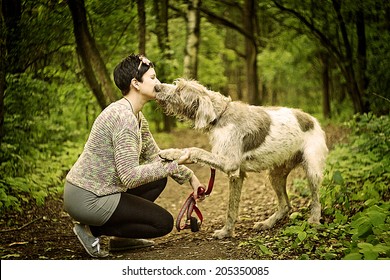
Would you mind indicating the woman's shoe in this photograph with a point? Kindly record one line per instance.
(121, 244)
(90, 243)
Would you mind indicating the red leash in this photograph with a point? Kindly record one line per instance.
(190, 205)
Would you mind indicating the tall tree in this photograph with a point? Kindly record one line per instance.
(95, 70)
(245, 25)
(10, 33)
(12, 13)
(361, 49)
(249, 18)
(161, 10)
(141, 27)
(326, 110)
(193, 38)
(3, 57)
(338, 40)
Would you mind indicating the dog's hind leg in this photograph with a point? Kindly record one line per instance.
(278, 179)
(314, 169)
(314, 157)
(315, 215)
(235, 187)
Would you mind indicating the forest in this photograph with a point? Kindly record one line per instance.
(330, 58)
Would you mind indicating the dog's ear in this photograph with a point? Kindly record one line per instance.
(205, 113)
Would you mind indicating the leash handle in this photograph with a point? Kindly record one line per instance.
(202, 191)
(190, 205)
(211, 181)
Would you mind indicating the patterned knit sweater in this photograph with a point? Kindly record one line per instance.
(121, 154)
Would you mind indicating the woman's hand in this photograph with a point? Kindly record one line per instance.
(194, 181)
(195, 184)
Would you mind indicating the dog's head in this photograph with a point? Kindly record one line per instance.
(190, 100)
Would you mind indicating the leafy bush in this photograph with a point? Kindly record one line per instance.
(360, 170)
(354, 196)
(40, 141)
(370, 231)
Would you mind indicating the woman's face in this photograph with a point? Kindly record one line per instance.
(149, 81)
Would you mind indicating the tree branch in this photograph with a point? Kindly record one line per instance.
(315, 31)
(21, 227)
(213, 17)
(344, 34)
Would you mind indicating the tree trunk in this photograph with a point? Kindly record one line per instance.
(95, 70)
(361, 50)
(141, 27)
(192, 41)
(161, 10)
(386, 25)
(326, 111)
(352, 83)
(354, 92)
(12, 13)
(249, 16)
(3, 57)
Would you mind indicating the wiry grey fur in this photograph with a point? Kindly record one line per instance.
(248, 138)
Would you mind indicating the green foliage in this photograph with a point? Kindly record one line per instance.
(39, 180)
(359, 171)
(355, 203)
(212, 56)
(370, 231)
(288, 72)
(43, 125)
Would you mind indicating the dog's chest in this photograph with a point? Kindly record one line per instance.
(222, 138)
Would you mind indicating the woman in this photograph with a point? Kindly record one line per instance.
(112, 187)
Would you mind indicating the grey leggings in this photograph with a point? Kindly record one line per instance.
(136, 215)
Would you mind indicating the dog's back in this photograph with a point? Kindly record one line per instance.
(268, 136)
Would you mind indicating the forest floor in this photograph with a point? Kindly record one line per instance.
(46, 232)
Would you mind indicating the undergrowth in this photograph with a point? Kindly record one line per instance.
(41, 139)
(43, 177)
(355, 199)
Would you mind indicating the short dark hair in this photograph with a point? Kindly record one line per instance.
(127, 69)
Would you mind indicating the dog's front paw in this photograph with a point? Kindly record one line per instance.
(170, 154)
(222, 233)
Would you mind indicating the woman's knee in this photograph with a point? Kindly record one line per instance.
(165, 223)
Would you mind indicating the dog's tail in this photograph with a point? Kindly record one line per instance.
(315, 153)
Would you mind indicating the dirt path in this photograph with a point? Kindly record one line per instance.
(46, 233)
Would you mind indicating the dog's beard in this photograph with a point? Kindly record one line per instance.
(172, 104)
(173, 107)
(178, 111)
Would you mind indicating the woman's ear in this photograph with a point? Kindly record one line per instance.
(135, 83)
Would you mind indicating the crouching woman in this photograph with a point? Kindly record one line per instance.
(112, 187)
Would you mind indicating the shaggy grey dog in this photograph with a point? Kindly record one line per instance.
(248, 138)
